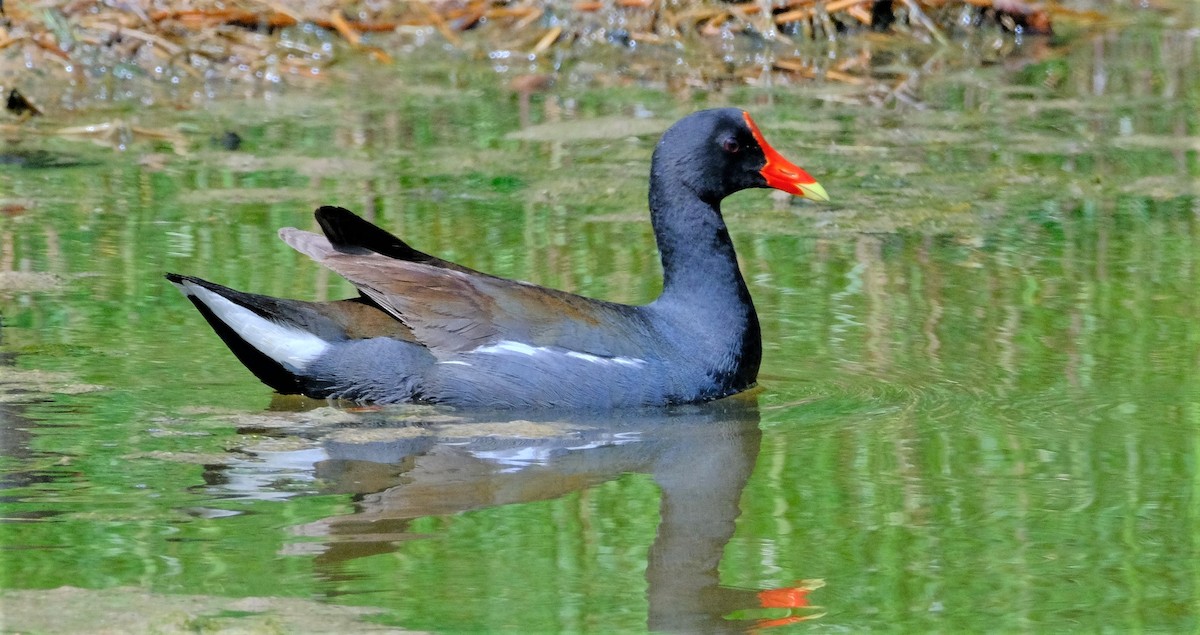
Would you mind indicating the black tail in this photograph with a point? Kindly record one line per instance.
(279, 374)
(349, 233)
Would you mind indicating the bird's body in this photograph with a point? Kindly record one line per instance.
(427, 330)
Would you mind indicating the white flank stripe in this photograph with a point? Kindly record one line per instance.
(596, 359)
(520, 348)
(509, 346)
(284, 344)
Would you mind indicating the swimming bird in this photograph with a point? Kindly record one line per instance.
(431, 331)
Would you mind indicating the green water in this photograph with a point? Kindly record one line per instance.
(979, 405)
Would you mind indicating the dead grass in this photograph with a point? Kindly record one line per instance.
(66, 55)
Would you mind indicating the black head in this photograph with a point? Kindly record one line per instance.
(715, 153)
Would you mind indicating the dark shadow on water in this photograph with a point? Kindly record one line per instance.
(700, 457)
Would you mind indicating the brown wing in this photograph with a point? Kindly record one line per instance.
(452, 311)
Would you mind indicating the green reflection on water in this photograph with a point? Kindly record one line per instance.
(982, 368)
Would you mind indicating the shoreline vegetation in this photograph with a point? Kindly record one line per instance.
(74, 55)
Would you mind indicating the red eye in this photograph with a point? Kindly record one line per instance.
(730, 145)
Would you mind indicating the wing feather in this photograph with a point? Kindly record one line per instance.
(451, 311)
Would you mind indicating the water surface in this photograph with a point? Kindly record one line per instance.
(979, 404)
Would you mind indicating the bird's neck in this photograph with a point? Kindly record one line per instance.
(703, 289)
(699, 263)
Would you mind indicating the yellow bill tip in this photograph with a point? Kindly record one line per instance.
(813, 190)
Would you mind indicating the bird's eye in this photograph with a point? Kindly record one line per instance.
(730, 145)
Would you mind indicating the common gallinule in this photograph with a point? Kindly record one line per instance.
(427, 330)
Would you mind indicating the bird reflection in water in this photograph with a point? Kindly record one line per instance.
(699, 456)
